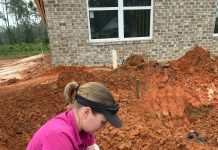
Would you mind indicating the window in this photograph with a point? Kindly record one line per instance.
(118, 20)
(216, 22)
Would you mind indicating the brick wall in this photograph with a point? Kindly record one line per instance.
(178, 25)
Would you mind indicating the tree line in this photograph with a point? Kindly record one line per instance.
(20, 23)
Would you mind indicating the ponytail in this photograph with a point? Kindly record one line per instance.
(70, 92)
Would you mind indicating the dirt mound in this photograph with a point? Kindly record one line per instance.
(184, 82)
(75, 74)
(138, 61)
(196, 60)
(59, 69)
(161, 105)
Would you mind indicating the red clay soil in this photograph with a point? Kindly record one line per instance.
(175, 106)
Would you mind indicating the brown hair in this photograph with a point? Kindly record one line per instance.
(92, 91)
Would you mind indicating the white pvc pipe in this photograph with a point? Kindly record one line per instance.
(114, 59)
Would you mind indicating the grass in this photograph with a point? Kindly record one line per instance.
(22, 50)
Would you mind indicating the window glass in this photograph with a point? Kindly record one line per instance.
(104, 24)
(137, 2)
(136, 23)
(216, 23)
(120, 19)
(103, 3)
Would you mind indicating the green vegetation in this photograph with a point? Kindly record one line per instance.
(20, 23)
(22, 34)
(22, 50)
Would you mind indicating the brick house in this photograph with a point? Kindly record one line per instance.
(85, 32)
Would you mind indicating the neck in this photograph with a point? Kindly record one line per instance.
(77, 119)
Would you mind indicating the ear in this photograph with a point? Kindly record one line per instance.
(86, 111)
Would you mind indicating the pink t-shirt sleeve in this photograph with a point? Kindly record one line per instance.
(57, 141)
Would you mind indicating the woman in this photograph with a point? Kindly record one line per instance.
(91, 105)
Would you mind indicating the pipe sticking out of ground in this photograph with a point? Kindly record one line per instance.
(114, 59)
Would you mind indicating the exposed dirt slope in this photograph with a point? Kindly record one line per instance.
(174, 108)
(13, 70)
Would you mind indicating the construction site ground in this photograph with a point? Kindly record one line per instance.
(163, 105)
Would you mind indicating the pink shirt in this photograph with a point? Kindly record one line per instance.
(60, 133)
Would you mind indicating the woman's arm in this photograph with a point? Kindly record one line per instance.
(92, 147)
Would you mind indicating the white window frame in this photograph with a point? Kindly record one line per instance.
(216, 34)
(120, 10)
